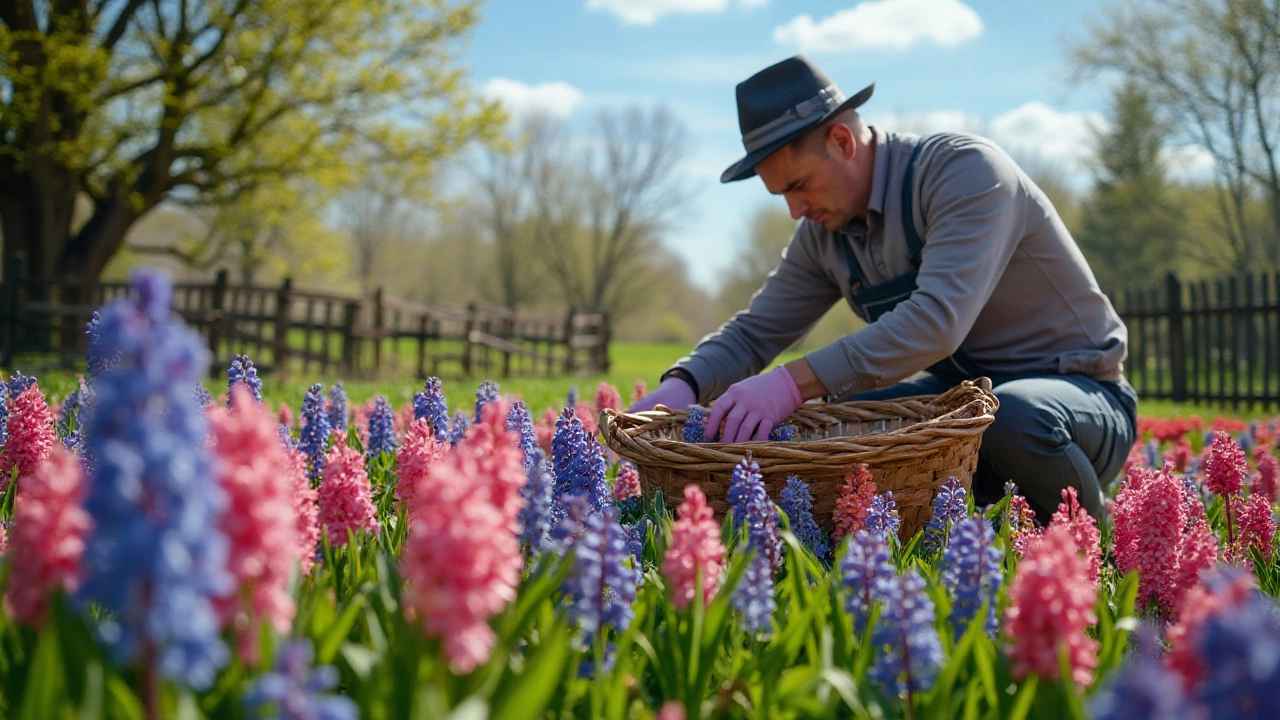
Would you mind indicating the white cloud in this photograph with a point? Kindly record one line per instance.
(557, 99)
(1035, 132)
(646, 12)
(1189, 163)
(883, 25)
(929, 122)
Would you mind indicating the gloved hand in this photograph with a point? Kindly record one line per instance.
(672, 392)
(749, 409)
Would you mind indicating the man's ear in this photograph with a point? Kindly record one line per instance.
(842, 141)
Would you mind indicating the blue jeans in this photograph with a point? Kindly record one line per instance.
(1051, 432)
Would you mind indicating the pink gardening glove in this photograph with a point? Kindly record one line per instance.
(672, 392)
(749, 409)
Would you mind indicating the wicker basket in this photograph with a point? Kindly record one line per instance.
(912, 445)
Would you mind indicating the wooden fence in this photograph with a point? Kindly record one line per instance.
(1214, 341)
(293, 332)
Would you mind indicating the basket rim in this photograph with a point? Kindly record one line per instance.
(968, 409)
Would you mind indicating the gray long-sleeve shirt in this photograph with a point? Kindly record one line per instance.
(999, 276)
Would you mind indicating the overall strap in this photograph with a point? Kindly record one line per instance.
(915, 244)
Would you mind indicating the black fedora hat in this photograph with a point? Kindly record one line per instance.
(779, 103)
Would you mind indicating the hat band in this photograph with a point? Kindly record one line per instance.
(795, 118)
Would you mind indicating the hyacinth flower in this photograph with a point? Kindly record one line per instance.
(4, 414)
(346, 502)
(1051, 606)
(48, 540)
(430, 404)
(695, 554)
(637, 534)
(71, 411)
(1142, 689)
(1256, 526)
(797, 503)
(96, 356)
(315, 430)
(338, 409)
(1265, 481)
(18, 383)
(601, 585)
(607, 397)
(31, 434)
(626, 485)
(535, 514)
(577, 463)
(571, 400)
(855, 498)
(521, 421)
(972, 573)
(785, 432)
(259, 521)
(753, 598)
(1227, 467)
(752, 508)
(201, 396)
(294, 690)
(419, 452)
(865, 570)
(485, 394)
(458, 428)
(382, 432)
(240, 371)
(639, 391)
(154, 569)
(695, 425)
(1083, 528)
(882, 517)
(1221, 591)
(908, 649)
(461, 560)
(949, 507)
(306, 509)
(1021, 521)
(1240, 649)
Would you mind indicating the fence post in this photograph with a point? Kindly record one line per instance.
(1177, 344)
(218, 319)
(280, 344)
(606, 336)
(569, 332)
(350, 310)
(378, 320)
(467, 345)
(11, 299)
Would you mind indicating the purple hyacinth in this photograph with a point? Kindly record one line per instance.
(382, 431)
(338, 409)
(71, 413)
(96, 359)
(695, 426)
(786, 432)
(907, 646)
(1152, 452)
(201, 396)
(882, 516)
(430, 404)
(797, 503)
(972, 572)
(156, 558)
(242, 370)
(485, 394)
(315, 429)
(286, 436)
(1240, 649)
(637, 532)
(4, 414)
(948, 508)
(577, 462)
(18, 382)
(601, 587)
(570, 524)
(571, 401)
(753, 598)
(539, 494)
(519, 420)
(1142, 689)
(866, 569)
(458, 429)
(294, 690)
(751, 505)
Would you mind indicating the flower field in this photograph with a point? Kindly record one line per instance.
(168, 554)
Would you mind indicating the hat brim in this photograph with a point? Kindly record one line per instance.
(746, 167)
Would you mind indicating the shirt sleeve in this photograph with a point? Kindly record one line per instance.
(974, 205)
(794, 297)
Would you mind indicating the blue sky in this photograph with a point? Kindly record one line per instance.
(997, 68)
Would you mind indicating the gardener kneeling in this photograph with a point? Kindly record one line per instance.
(959, 264)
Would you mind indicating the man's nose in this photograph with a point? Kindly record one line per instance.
(797, 207)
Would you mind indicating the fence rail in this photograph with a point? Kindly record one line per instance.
(1213, 341)
(288, 331)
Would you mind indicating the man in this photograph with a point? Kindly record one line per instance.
(959, 264)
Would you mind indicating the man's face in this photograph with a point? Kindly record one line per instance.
(814, 183)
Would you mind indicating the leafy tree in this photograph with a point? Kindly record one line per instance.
(132, 103)
(770, 230)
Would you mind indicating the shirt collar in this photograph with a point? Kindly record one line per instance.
(880, 173)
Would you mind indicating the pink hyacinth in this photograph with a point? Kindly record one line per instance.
(49, 530)
(306, 510)
(1022, 525)
(695, 550)
(850, 513)
(544, 429)
(461, 560)
(284, 415)
(414, 460)
(4, 545)
(345, 498)
(671, 710)
(627, 484)
(1257, 529)
(258, 519)
(1051, 606)
(608, 397)
(1227, 466)
(1201, 603)
(590, 422)
(31, 435)
(639, 391)
(1264, 483)
(1181, 455)
(1083, 528)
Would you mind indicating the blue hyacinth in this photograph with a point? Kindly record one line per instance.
(1152, 452)
(695, 426)
(382, 431)
(571, 401)
(882, 517)
(95, 355)
(568, 522)
(293, 690)
(752, 507)
(539, 494)
(201, 396)
(4, 414)
(797, 503)
(637, 533)
(601, 587)
(242, 370)
(338, 409)
(156, 558)
(71, 413)
(948, 508)
(430, 404)
(519, 420)
(485, 394)
(1143, 688)
(972, 572)
(578, 463)
(786, 432)
(1240, 649)
(753, 598)
(286, 436)
(866, 569)
(315, 429)
(18, 383)
(458, 429)
(907, 647)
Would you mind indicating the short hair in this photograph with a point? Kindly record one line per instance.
(814, 140)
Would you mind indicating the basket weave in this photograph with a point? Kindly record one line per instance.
(911, 445)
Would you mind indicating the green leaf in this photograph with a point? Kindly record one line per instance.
(336, 633)
(527, 696)
(44, 682)
(1026, 695)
